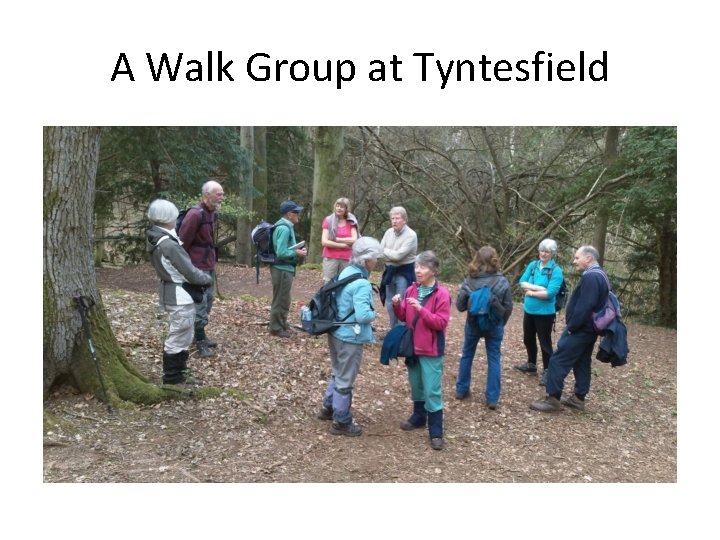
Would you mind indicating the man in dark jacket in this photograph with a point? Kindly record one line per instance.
(198, 234)
(574, 349)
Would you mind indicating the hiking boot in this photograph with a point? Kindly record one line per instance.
(436, 443)
(204, 350)
(526, 368)
(325, 413)
(189, 379)
(281, 334)
(349, 430)
(462, 395)
(574, 402)
(549, 404)
(543, 379)
(492, 406)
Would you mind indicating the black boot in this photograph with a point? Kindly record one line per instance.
(435, 427)
(202, 339)
(173, 368)
(418, 419)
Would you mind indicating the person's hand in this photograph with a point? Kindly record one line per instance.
(396, 299)
(525, 286)
(414, 303)
(301, 252)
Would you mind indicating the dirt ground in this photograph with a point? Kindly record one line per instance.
(627, 434)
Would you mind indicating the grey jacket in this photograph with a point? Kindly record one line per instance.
(173, 267)
(501, 289)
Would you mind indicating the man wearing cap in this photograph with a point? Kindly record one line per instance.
(283, 272)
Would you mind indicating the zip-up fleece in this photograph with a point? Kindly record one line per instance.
(173, 266)
(429, 330)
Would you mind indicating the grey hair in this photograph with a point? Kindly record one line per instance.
(209, 186)
(162, 212)
(398, 210)
(429, 260)
(590, 250)
(364, 248)
(548, 245)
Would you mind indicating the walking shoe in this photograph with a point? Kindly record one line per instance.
(543, 379)
(204, 350)
(210, 343)
(492, 406)
(407, 425)
(349, 430)
(325, 413)
(461, 395)
(574, 402)
(281, 334)
(526, 368)
(436, 443)
(549, 404)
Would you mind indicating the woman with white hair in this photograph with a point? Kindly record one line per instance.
(541, 283)
(180, 284)
(355, 305)
(339, 232)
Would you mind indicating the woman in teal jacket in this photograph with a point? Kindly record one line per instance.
(541, 283)
(347, 340)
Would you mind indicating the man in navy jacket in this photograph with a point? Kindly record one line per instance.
(575, 347)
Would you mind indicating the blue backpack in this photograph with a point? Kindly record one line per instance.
(485, 308)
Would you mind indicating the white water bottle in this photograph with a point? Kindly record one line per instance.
(305, 314)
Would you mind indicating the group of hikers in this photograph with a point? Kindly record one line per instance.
(418, 306)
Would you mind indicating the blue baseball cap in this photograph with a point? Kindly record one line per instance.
(290, 206)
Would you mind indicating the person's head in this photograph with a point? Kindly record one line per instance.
(398, 218)
(486, 260)
(585, 257)
(290, 210)
(342, 207)
(163, 213)
(212, 195)
(365, 252)
(547, 250)
(427, 265)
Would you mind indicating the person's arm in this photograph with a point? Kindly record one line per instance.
(348, 240)
(403, 249)
(281, 243)
(181, 262)
(363, 304)
(440, 317)
(463, 296)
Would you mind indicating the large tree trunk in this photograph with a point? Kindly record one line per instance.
(70, 157)
(326, 182)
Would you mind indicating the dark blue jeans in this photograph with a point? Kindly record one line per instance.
(574, 352)
(493, 340)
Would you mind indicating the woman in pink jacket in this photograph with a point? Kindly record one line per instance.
(426, 309)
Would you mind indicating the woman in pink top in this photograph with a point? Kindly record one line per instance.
(340, 230)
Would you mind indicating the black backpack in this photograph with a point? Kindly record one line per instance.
(183, 213)
(561, 296)
(262, 238)
(321, 314)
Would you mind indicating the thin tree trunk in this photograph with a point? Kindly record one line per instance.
(603, 213)
(243, 251)
(667, 266)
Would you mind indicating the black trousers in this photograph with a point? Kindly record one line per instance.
(540, 327)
